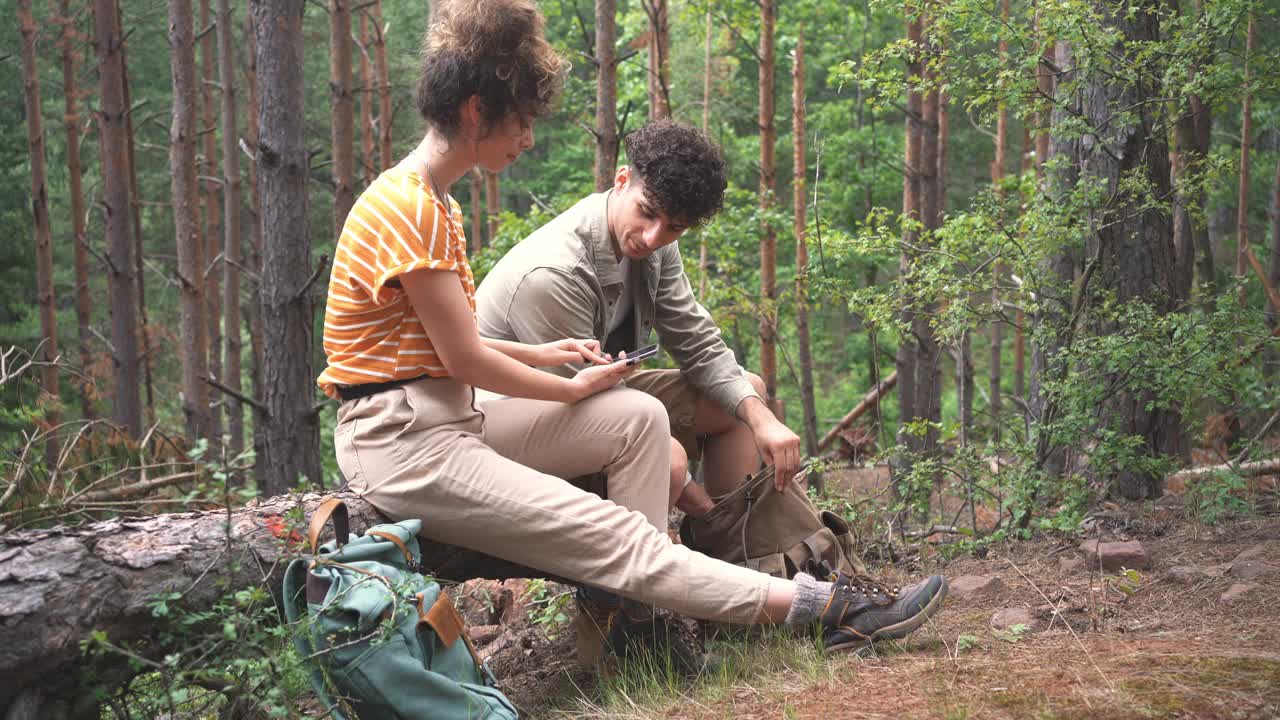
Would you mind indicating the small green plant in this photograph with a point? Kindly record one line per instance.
(966, 642)
(1127, 582)
(545, 609)
(1216, 496)
(1013, 634)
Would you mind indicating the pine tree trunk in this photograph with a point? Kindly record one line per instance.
(1274, 273)
(135, 218)
(231, 227)
(659, 52)
(343, 112)
(929, 360)
(182, 183)
(288, 428)
(706, 129)
(1020, 318)
(116, 208)
(383, 73)
(606, 94)
(71, 124)
(1202, 122)
(209, 192)
(254, 309)
(908, 356)
(995, 368)
(477, 209)
(366, 103)
(40, 220)
(799, 165)
(769, 237)
(1246, 131)
(493, 203)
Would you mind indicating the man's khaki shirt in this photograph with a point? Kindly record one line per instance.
(563, 281)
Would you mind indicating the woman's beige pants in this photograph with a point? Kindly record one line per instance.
(488, 476)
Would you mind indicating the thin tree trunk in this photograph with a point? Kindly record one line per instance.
(1274, 274)
(383, 73)
(995, 368)
(231, 227)
(706, 129)
(342, 112)
(71, 124)
(212, 233)
(40, 222)
(1246, 130)
(908, 356)
(477, 209)
(288, 428)
(769, 237)
(115, 203)
(929, 360)
(1202, 121)
(254, 310)
(135, 217)
(659, 49)
(493, 203)
(802, 255)
(1020, 318)
(182, 184)
(606, 134)
(366, 103)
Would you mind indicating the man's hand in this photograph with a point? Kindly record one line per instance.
(778, 446)
(570, 350)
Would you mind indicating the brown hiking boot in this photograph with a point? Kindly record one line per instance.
(591, 625)
(861, 610)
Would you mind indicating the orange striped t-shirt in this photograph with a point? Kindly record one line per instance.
(371, 332)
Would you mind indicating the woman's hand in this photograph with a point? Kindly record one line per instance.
(592, 380)
(569, 350)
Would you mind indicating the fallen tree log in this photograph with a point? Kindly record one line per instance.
(60, 585)
(1249, 469)
(868, 401)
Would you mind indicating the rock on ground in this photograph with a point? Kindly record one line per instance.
(1115, 555)
(967, 587)
(1236, 591)
(1006, 618)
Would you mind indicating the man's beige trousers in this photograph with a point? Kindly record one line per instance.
(488, 476)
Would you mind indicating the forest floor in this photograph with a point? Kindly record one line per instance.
(1194, 635)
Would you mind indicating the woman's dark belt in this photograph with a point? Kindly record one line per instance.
(355, 392)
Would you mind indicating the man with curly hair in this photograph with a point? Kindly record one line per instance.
(609, 268)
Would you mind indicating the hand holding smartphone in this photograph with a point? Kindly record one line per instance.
(640, 354)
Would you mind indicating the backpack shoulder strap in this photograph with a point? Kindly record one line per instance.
(330, 508)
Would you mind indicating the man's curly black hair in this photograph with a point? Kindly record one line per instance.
(682, 171)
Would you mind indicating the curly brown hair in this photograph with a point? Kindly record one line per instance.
(682, 170)
(491, 48)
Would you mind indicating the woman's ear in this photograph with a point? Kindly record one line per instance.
(472, 115)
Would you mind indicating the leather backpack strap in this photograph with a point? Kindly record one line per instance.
(330, 508)
(404, 549)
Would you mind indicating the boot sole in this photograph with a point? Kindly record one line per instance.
(897, 631)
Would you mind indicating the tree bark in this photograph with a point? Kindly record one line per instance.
(1274, 274)
(659, 51)
(799, 166)
(289, 428)
(706, 129)
(476, 178)
(254, 310)
(1246, 130)
(182, 184)
(71, 124)
(209, 191)
(606, 134)
(366, 103)
(928, 390)
(342, 118)
(908, 357)
(1202, 122)
(383, 72)
(40, 216)
(493, 203)
(116, 207)
(231, 228)
(998, 164)
(135, 217)
(769, 236)
(58, 586)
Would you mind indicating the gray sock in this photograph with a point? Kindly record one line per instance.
(810, 600)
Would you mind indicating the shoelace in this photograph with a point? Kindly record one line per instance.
(871, 588)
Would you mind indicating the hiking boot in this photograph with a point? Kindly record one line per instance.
(647, 635)
(595, 613)
(861, 610)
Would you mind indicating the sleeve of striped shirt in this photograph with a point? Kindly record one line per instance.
(413, 234)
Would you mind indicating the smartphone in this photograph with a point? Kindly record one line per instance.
(643, 353)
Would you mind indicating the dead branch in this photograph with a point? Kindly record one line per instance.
(871, 399)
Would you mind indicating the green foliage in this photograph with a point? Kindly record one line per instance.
(1216, 496)
(545, 609)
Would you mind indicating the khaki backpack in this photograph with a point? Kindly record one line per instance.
(779, 533)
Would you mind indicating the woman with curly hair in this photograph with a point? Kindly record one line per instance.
(404, 357)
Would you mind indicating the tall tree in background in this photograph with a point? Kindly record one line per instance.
(342, 117)
(254, 309)
(1246, 130)
(209, 192)
(287, 426)
(908, 355)
(231, 228)
(368, 162)
(1130, 240)
(659, 58)
(998, 164)
(115, 207)
(928, 390)
(1274, 275)
(769, 234)
(1202, 124)
(493, 203)
(802, 251)
(383, 73)
(135, 218)
(606, 130)
(67, 41)
(40, 215)
(476, 181)
(182, 183)
(706, 129)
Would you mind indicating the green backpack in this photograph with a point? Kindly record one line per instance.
(383, 642)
